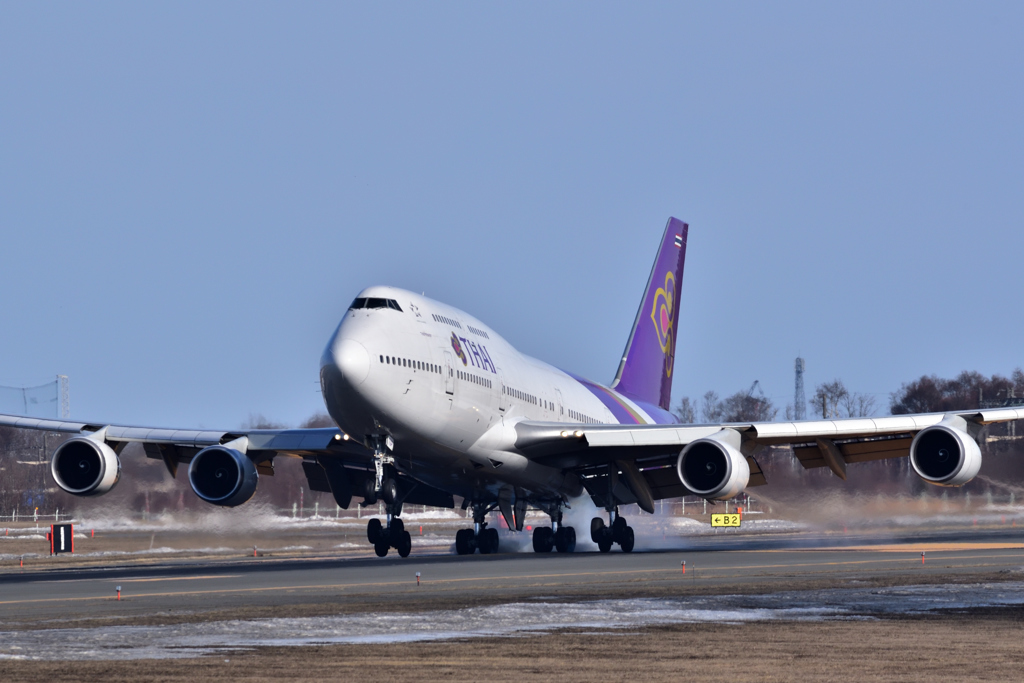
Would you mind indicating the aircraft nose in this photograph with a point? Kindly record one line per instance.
(352, 359)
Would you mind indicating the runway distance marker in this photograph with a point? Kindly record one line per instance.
(720, 519)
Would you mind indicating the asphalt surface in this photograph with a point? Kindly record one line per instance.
(278, 584)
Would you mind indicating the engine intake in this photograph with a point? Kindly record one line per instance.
(945, 455)
(713, 467)
(222, 476)
(85, 466)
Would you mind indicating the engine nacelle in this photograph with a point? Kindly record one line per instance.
(945, 454)
(223, 476)
(85, 467)
(713, 467)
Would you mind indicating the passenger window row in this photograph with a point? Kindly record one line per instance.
(374, 302)
(580, 417)
(470, 377)
(521, 395)
(447, 321)
(413, 364)
(477, 332)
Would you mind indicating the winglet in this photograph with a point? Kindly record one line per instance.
(645, 372)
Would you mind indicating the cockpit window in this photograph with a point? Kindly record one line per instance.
(374, 302)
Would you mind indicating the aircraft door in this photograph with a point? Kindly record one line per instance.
(502, 398)
(449, 374)
(561, 410)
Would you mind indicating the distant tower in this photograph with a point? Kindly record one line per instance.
(799, 402)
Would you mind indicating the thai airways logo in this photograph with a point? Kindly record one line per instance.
(458, 349)
(662, 314)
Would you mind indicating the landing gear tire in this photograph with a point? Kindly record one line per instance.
(404, 544)
(397, 527)
(565, 539)
(597, 530)
(389, 491)
(464, 542)
(604, 545)
(619, 528)
(543, 539)
(373, 531)
(381, 549)
(488, 541)
(626, 540)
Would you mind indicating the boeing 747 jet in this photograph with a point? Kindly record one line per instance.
(432, 405)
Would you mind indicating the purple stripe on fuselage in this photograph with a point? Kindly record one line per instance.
(620, 409)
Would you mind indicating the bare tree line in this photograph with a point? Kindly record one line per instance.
(928, 394)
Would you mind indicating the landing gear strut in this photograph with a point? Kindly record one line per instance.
(385, 487)
(563, 538)
(480, 537)
(616, 532)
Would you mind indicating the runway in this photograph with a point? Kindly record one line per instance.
(320, 585)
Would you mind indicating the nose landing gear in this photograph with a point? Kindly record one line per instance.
(617, 532)
(393, 535)
(385, 487)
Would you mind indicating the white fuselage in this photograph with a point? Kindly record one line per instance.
(448, 390)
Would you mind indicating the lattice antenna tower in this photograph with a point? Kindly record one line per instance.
(65, 397)
(799, 402)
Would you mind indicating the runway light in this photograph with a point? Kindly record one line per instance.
(417, 578)
(119, 594)
(684, 566)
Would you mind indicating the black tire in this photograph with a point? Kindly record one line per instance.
(381, 549)
(404, 544)
(389, 491)
(618, 529)
(369, 493)
(490, 540)
(374, 531)
(464, 542)
(397, 527)
(570, 540)
(596, 530)
(604, 545)
(542, 539)
(627, 540)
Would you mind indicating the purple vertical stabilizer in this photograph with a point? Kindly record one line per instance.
(645, 373)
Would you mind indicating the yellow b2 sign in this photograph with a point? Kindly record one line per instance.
(725, 520)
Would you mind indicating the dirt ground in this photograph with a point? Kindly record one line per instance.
(981, 645)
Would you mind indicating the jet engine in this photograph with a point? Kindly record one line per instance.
(945, 455)
(713, 467)
(222, 476)
(85, 466)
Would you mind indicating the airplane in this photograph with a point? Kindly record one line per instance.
(432, 404)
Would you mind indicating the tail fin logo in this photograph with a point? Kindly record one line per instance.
(662, 315)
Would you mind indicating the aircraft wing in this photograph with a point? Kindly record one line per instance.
(179, 445)
(638, 462)
(332, 462)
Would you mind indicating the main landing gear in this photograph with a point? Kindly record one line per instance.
(562, 538)
(480, 537)
(617, 532)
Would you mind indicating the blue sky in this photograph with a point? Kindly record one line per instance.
(192, 193)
